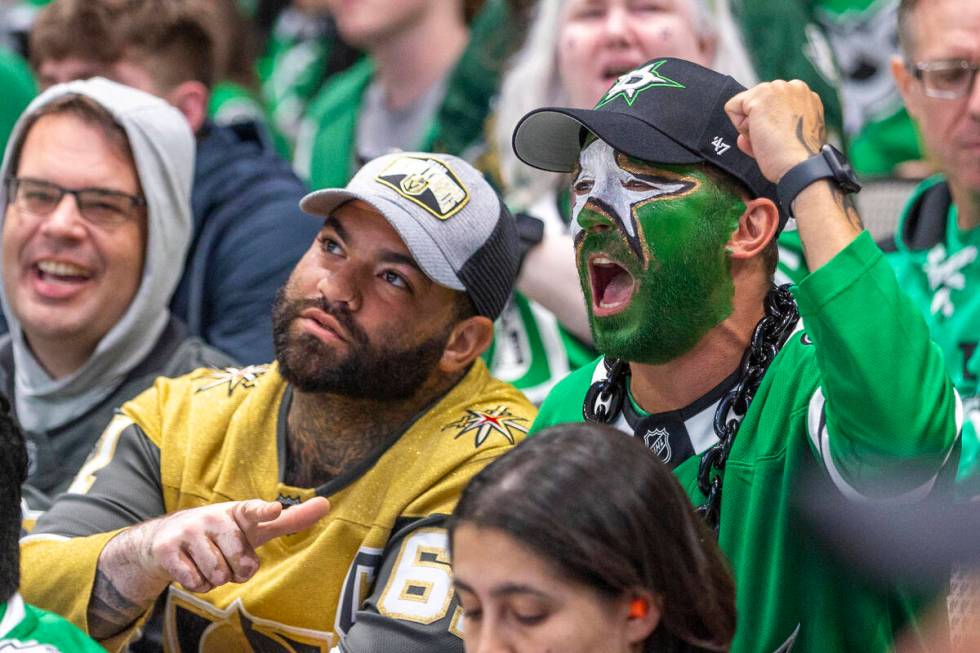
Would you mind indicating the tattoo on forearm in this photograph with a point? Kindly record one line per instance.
(813, 141)
(109, 612)
(846, 204)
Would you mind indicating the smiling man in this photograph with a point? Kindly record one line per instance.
(247, 231)
(675, 191)
(378, 402)
(97, 217)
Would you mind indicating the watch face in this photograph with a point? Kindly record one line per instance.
(844, 173)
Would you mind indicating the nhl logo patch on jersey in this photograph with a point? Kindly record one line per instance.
(658, 441)
(428, 182)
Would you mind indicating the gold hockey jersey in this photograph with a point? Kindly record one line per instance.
(375, 570)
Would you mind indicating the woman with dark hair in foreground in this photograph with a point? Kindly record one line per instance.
(580, 540)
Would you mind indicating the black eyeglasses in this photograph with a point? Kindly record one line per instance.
(948, 79)
(99, 206)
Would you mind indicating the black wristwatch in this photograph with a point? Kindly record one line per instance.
(829, 163)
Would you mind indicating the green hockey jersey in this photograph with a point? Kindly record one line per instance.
(26, 629)
(855, 396)
(937, 266)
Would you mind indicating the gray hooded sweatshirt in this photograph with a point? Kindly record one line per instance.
(163, 148)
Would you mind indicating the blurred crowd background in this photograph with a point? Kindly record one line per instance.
(288, 64)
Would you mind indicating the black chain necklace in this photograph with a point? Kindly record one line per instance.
(604, 400)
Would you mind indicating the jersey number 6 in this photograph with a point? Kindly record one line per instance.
(420, 589)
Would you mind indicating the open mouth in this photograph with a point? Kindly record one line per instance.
(61, 272)
(612, 72)
(612, 286)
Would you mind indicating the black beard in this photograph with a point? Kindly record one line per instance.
(377, 373)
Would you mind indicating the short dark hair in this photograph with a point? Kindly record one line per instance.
(464, 308)
(85, 109)
(167, 32)
(13, 473)
(606, 512)
(905, 37)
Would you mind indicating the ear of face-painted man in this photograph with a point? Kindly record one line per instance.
(651, 253)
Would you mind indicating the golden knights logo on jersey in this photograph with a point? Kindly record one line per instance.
(484, 423)
(194, 625)
(233, 378)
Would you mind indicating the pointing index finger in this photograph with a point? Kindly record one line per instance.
(292, 520)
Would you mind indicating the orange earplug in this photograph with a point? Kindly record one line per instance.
(639, 608)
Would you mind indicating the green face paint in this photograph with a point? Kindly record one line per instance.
(652, 258)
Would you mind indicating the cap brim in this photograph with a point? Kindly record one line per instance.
(550, 138)
(432, 261)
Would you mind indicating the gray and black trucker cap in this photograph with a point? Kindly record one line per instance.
(666, 111)
(453, 222)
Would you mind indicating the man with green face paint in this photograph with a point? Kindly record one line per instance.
(655, 251)
(682, 181)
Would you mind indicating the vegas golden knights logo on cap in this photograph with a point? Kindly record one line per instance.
(428, 182)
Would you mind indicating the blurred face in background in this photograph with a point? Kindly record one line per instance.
(365, 23)
(599, 40)
(946, 31)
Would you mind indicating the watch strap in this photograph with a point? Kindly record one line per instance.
(829, 163)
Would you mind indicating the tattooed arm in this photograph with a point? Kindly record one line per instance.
(112, 527)
(781, 124)
(200, 548)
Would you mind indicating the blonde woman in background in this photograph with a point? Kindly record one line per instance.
(544, 334)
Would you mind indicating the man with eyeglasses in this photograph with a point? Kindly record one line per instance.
(936, 243)
(95, 227)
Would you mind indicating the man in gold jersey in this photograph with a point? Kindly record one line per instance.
(300, 506)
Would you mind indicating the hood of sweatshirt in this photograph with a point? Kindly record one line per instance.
(163, 149)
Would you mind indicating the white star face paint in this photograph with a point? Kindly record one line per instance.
(616, 191)
(652, 255)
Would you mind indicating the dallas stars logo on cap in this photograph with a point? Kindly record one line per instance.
(631, 84)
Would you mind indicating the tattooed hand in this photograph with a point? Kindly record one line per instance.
(780, 124)
(205, 547)
(200, 548)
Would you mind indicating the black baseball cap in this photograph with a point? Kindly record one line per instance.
(665, 111)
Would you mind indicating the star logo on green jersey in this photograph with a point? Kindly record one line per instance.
(483, 423)
(631, 84)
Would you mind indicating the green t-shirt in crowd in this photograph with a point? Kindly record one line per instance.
(18, 91)
(231, 102)
(326, 147)
(26, 629)
(292, 70)
(855, 395)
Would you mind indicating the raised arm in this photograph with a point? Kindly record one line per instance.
(885, 411)
(781, 124)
